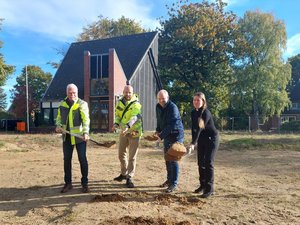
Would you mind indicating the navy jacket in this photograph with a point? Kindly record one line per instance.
(168, 120)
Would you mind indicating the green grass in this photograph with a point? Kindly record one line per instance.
(256, 141)
(244, 143)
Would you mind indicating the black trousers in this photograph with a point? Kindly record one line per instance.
(207, 149)
(68, 153)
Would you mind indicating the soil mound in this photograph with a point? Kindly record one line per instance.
(109, 198)
(127, 220)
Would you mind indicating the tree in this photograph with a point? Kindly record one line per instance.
(261, 75)
(3, 103)
(5, 71)
(196, 45)
(38, 82)
(107, 28)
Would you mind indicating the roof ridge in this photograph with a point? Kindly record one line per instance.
(117, 37)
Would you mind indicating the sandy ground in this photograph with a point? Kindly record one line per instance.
(252, 187)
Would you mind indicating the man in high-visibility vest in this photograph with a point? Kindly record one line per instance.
(128, 118)
(73, 118)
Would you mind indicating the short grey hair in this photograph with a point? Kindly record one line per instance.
(69, 86)
(164, 92)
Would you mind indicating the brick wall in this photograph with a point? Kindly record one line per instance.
(86, 79)
(117, 81)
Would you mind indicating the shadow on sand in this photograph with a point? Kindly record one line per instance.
(23, 200)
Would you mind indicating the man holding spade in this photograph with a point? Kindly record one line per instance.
(128, 119)
(73, 118)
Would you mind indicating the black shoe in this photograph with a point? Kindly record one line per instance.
(85, 189)
(171, 188)
(66, 188)
(165, 184)
(129, 183)
(120, 178)
(199, 189)
(206, 194)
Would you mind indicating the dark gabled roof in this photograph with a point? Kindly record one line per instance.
(295, 93)
(130, 50)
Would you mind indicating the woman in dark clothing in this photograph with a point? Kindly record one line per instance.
(206, 137)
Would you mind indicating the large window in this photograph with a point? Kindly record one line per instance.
(99, 75)
(99, 87)
(99, 114)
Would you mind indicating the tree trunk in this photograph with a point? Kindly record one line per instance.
(255, 114)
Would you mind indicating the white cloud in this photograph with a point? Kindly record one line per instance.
(293, 46)
(64, 19)
(238, 6)
(235, 2)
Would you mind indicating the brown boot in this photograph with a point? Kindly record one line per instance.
(66, 188)
(85, 189)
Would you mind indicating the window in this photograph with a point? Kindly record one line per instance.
(99, 87)
(104, 67)
(94, 74)
(99, 75)
(99, 115)
(55, 111)
(285, 119)
(99, 66)
(296, 106)
(47, 116)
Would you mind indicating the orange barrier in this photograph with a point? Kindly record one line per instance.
(21, 126)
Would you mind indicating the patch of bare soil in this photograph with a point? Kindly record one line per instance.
(108, 198)
(163, 199)
(251, 187)
(146, 220)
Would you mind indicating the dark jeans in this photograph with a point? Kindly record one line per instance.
(172, 172)
(172, 166)
(68, 153)
(207, 148)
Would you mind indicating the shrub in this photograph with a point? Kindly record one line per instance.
(5, 115)
(291, 126)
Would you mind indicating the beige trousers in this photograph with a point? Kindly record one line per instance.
(128, 149)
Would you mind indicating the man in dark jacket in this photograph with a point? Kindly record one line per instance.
(170, 130)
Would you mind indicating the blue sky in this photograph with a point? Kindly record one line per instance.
(33, 30)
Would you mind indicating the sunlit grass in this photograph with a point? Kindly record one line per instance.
(260, 141)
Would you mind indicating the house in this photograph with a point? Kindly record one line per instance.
(293, 113)
(289, 114)
(100, 69)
